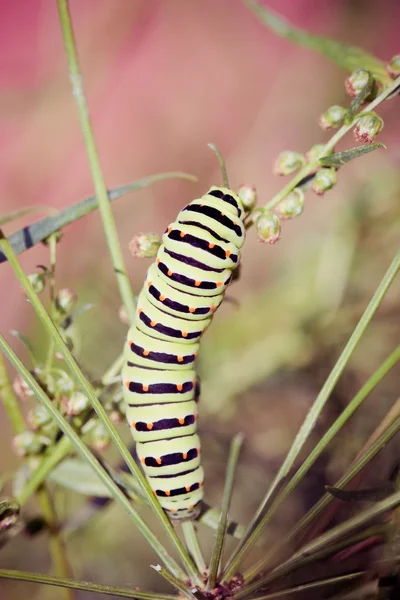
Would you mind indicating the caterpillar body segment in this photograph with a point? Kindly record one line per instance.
(183, 288)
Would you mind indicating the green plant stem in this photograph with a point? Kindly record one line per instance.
(312, 586)
(193, 546)
(113, 370)
(10, 401)
(110, 230)
(86, 586)
(177, 583)
(326, 544)
(51, 460)
(56, 544)
(310, 167)
(222, 164)
(52, 242)
(258, 522)
(223, 519)
(96, 404)
(353, 405)
(113, 488)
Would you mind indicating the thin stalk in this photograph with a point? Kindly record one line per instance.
(310, 167)
(58, 452)
(193, 546)
(57, 548)
(110, 229)
(10, 401)
(87, 388)
(52, 241)
(222, 164)
(324, 545)
(84, 451)
(353, 405)
(86, 586)
(305, 587)
(256, 526)
(321, 505)
(223, 519)
(177, 583)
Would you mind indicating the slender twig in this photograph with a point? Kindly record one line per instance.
(113, 370)
(223, 519)
(57, 548)
(84, 451)
(85, 385)
(222, 164)
(86, 586)
(257, 523)
(110, 229)
(177, 583)
(193, 546)
(305, 587)
(52, 242)
(353, 405)
(326, 149)
(10, 401)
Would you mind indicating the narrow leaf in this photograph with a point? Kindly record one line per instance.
(21, 212)
(33, 234)
(367, 494)
(78, 476)
(341, 158)
(346, 57)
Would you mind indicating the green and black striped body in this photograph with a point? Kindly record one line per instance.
(184, 287)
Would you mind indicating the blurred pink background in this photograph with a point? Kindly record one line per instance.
(164, 78)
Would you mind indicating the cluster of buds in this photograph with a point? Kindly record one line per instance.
(289, 162)
(30, 443)
(145, 245)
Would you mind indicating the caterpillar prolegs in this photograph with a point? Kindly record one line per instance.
(184, 287)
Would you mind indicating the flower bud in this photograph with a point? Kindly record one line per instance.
(393, 66)
(21, 388)
(288, 162)
(27, 443)
(291, 206)
(123, 315)
(324, 180)
(268, 226)
(38, 281)
(38, 417)
(145, 245)
(248, 196)
(356, 82)
(100, 438)
(315, 153)
(63, 383)
(65, 301)
(367, 128)
(76, 404)
(333, 117)
(115, 417)
(9, 513)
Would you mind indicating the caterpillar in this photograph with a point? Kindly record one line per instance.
(183, 289)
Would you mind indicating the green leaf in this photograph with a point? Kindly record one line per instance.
(341, 158)
(21, 212)
(37, 232)
(361, 495)
(346, 57)
(78, 476)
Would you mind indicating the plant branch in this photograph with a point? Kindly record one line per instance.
(110, 229)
